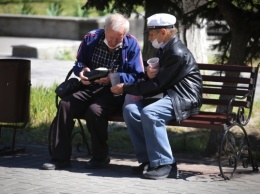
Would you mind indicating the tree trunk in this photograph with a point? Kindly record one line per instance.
(195, 38)
(197, 43)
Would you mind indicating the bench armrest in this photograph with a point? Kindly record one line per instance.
(241, 116)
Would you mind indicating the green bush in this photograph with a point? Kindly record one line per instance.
(55, 9)
(50, 8)
(26, 9)
(78, 12)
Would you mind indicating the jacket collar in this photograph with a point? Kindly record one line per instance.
(170, 42)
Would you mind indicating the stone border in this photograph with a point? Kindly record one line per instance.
(57, 27)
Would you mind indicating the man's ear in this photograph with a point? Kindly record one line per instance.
(163, 30)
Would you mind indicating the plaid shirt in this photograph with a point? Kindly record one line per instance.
(102, 57)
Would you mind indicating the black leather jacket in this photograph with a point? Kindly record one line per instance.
(178, 76)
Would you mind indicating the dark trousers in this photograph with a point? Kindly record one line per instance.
(94, 103)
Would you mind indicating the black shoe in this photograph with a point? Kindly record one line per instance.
(97, 163)
(141, 168)
(159, 172)
(56, 165)
(175, 171)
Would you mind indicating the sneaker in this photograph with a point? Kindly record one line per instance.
(159, 172)
(97, 163)
(56, 165)
(141, 168)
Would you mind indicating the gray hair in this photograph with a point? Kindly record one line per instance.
(117, 21)
(172, 31)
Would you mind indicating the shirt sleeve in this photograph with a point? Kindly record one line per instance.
(84, 51)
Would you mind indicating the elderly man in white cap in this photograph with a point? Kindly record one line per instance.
(178, 78)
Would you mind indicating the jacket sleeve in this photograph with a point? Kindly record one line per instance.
(173, 68)
(132, 62)
(84, 51)
(78, 64)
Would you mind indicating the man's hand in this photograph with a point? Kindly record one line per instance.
(152, 71)
(117, 89)
(84, 79)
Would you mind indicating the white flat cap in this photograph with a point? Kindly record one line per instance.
(160, 20)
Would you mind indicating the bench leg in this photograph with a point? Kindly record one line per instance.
(81, 132)
(84, 137)
(234, 151)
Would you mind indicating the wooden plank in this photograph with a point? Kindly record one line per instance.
(227, 91)
(221, 79)
(234, 68)
(225, 102)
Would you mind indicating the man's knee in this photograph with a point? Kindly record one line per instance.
(126, 113)
(147, 113)
(131, 111)
(94, 110)
(64, 105)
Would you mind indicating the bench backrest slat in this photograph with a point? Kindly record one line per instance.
(225, 102)
(237, 80)
(227, 79)
(225, 91)
(216, 67)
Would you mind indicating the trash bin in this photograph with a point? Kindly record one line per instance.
(15, 82)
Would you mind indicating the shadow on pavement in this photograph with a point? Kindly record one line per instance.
(120, 166)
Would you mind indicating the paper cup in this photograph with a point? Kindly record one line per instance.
(153, 62)
(114, 78)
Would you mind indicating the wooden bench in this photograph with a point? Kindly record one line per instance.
(234, 146)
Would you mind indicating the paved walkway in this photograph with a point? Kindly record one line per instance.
(21, 173)
(43, 71)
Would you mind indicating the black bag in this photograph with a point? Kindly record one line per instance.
(68, 87)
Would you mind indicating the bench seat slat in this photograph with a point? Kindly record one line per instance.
(205, 120)
(116, 117)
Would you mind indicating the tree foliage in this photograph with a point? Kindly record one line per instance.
(236, 22)
(240, 44)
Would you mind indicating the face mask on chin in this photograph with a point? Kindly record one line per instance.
(156, 44)
(118, 45)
